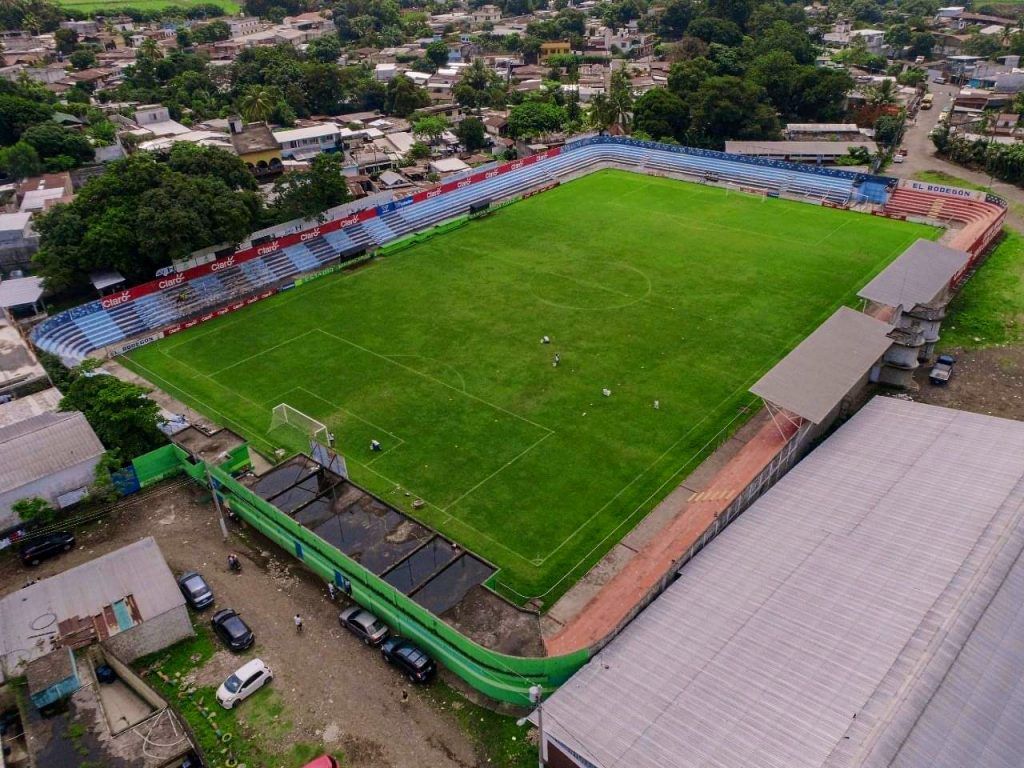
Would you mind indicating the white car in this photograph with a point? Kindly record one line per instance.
(245, 681)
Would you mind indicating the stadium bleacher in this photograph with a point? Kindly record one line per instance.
(75, 333)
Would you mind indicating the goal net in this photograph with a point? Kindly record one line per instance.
(294, 431)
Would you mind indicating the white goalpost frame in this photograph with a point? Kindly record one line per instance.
(287, 415)
(320, 438)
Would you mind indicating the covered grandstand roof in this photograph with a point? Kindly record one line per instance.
(814, 378)
(848, 618)
(917, 276)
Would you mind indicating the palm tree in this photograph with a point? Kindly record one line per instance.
(148, 49)
(882, 94)
(256, 104)
(620, 98)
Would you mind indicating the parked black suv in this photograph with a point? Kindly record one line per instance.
(414, 663)
(45, 547)
(232, 630)
(196, 591)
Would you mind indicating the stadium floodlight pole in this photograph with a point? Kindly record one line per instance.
(216, 503)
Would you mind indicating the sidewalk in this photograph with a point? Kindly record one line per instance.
(693, 514)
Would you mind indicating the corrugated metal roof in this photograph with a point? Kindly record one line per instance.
(29, 406)
(867, 611)
(42, 445)
(806, 148)
(29, 617)
(814, 378)
(917, 276)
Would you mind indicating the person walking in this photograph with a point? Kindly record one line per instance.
(298, 623)
(556, 361)
(332, 591)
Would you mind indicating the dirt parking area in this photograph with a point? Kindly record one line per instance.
(335, 691)
(989, 381)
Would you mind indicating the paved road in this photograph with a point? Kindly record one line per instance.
(921, 156)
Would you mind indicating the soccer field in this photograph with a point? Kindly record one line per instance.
(652, 288)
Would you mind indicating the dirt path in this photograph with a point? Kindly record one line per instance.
(921, 156)
(989, 381)
(336, 691)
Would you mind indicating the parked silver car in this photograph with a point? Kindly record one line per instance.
(363, 625)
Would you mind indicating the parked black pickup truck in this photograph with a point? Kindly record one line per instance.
(942, 369)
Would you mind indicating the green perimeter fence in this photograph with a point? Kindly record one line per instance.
(497, 675)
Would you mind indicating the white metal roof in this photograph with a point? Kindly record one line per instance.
(867, 611)
(917, 276)
(20, 290)
(29, 617)
(814, 378)
(28, 406)
(311, 132)
(44, 445)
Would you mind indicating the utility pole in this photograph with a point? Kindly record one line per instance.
(536, 694)
(216, 502)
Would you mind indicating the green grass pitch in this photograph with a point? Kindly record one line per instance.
(89, 6)
(652, 288)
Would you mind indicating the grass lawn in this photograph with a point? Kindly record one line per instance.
(989, 310)
(89, 6)
(256, 735)
(941, 177)
(652, 288)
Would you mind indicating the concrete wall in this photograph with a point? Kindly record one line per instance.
(49, 488)
(132, 680)
(152, 635)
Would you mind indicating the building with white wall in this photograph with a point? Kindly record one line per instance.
(52, 455)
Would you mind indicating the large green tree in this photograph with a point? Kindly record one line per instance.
(310, 193)
(18, 113)
(51, 140)
(471, 134)
(403, 97)
(728, 107)
(19, 161)
(661, 115)
(121, 415)
(533, 118)
(437, 53)
(140, 215)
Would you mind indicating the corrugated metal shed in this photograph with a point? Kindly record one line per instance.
(867, 611)
(43, 445)
(917, 276)
(814, 378)
(85, 598)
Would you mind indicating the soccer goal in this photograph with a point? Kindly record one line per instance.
(294, 430)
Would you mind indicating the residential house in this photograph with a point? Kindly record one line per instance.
(486, 14)
(554, 48)
(51, 456)
(307, 142)
(155, 119)
(256, 146)
(18, 241)
(245, 25)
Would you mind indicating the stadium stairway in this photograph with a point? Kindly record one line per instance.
(302, 257)
(338, 240)
(256, 272)
(322, 250)
(378, 230)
